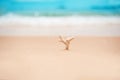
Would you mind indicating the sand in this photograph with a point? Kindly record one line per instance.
(44, 58)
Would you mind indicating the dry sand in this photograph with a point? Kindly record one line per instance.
(43, 58)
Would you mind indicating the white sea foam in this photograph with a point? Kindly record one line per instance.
(12, 24)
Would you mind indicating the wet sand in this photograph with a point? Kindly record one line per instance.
(44, 58)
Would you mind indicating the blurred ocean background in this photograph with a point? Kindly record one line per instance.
(60, 17)
(60, 7)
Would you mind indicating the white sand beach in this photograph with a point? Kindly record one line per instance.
(44, 58)
(30, 48)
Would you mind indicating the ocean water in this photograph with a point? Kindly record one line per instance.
(60, 17)
(12, 24)
(60, 7)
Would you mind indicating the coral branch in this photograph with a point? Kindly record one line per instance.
(66, 42)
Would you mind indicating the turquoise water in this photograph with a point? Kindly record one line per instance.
(60, 7)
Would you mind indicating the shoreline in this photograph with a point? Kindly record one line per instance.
(73, 25)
